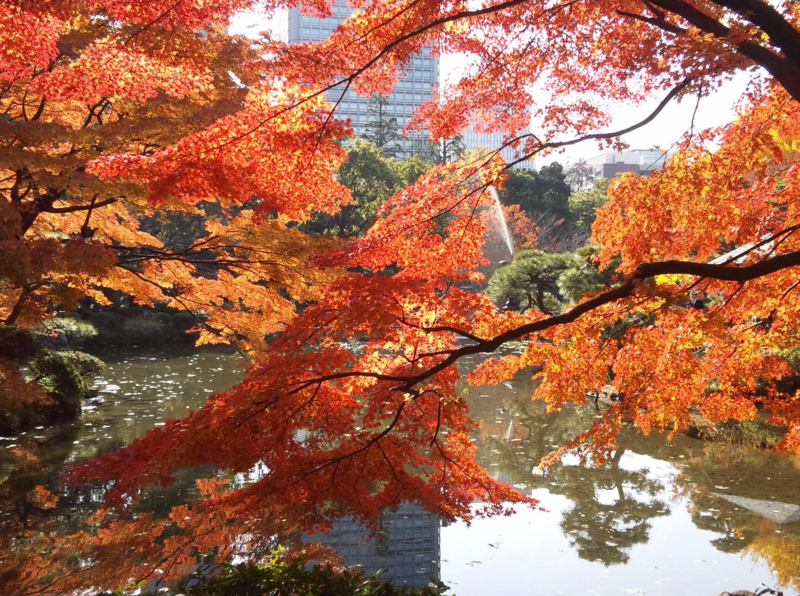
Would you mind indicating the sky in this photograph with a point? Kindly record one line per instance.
(662, 133)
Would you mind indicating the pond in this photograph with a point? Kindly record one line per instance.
(686, 517)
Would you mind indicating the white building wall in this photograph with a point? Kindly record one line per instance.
(646, 160)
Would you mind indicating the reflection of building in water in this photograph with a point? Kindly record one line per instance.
(408, 550)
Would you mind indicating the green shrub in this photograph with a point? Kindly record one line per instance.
(281, 578)
(183, 320)
(86, 364)
(73, 328)
(143, 329)
(131, 311)
(106, 320)
(18, 344)
(164, 317)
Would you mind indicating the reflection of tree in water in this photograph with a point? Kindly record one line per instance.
(712, 513)
(781, 551)
(611, 507)
(27, 466)
(715, 469)
(743, 531)
(46, 529)
(611, 510)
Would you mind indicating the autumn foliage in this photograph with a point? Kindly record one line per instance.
(113, 110)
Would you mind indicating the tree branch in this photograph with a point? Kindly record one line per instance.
(74, 208)
(770, 21)
(782, 68)
(600, 135)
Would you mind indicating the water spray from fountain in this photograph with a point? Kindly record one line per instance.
(501, 218)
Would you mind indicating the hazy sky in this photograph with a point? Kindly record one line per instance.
(663, 132)
(670, 124)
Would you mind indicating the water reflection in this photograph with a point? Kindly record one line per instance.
(656, 517)
(611, 506)
(406, 550)
(136, 392)
(628, 518)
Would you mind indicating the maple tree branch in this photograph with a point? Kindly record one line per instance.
(348, 80)
(100, 105)
(624, 290)
(335, 461)
(73, 208)
(438, 423)
(154, 21)
(436, 329)
(785, 71)
(770, 21)
(786, 232)
(17, 310)
(556, 145)
(642, 272)
(391, 467)
(657, 21)
(600, 135)
(172, 295)
(455, 330)
(727, 300)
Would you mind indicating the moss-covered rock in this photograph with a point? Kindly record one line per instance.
(62, 380)
(62, 374)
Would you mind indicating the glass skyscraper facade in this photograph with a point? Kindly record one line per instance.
(421, 77)
(481, 141)
(414, 89)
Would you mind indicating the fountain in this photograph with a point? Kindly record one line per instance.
(502, 220)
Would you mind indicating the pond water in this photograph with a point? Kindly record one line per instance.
(686, 517)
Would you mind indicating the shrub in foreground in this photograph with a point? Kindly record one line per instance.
(293, 578)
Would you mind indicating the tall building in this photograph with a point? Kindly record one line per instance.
(481, 141)
(414, 89)
(407, 552)
(422, 76)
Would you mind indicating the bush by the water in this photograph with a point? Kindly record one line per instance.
(753, 433)
(183, 320)
(124, 326)
(293, 578)
(164, 317)
(143, 330)
(106, 321)
(78, 330)
(18, 344)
